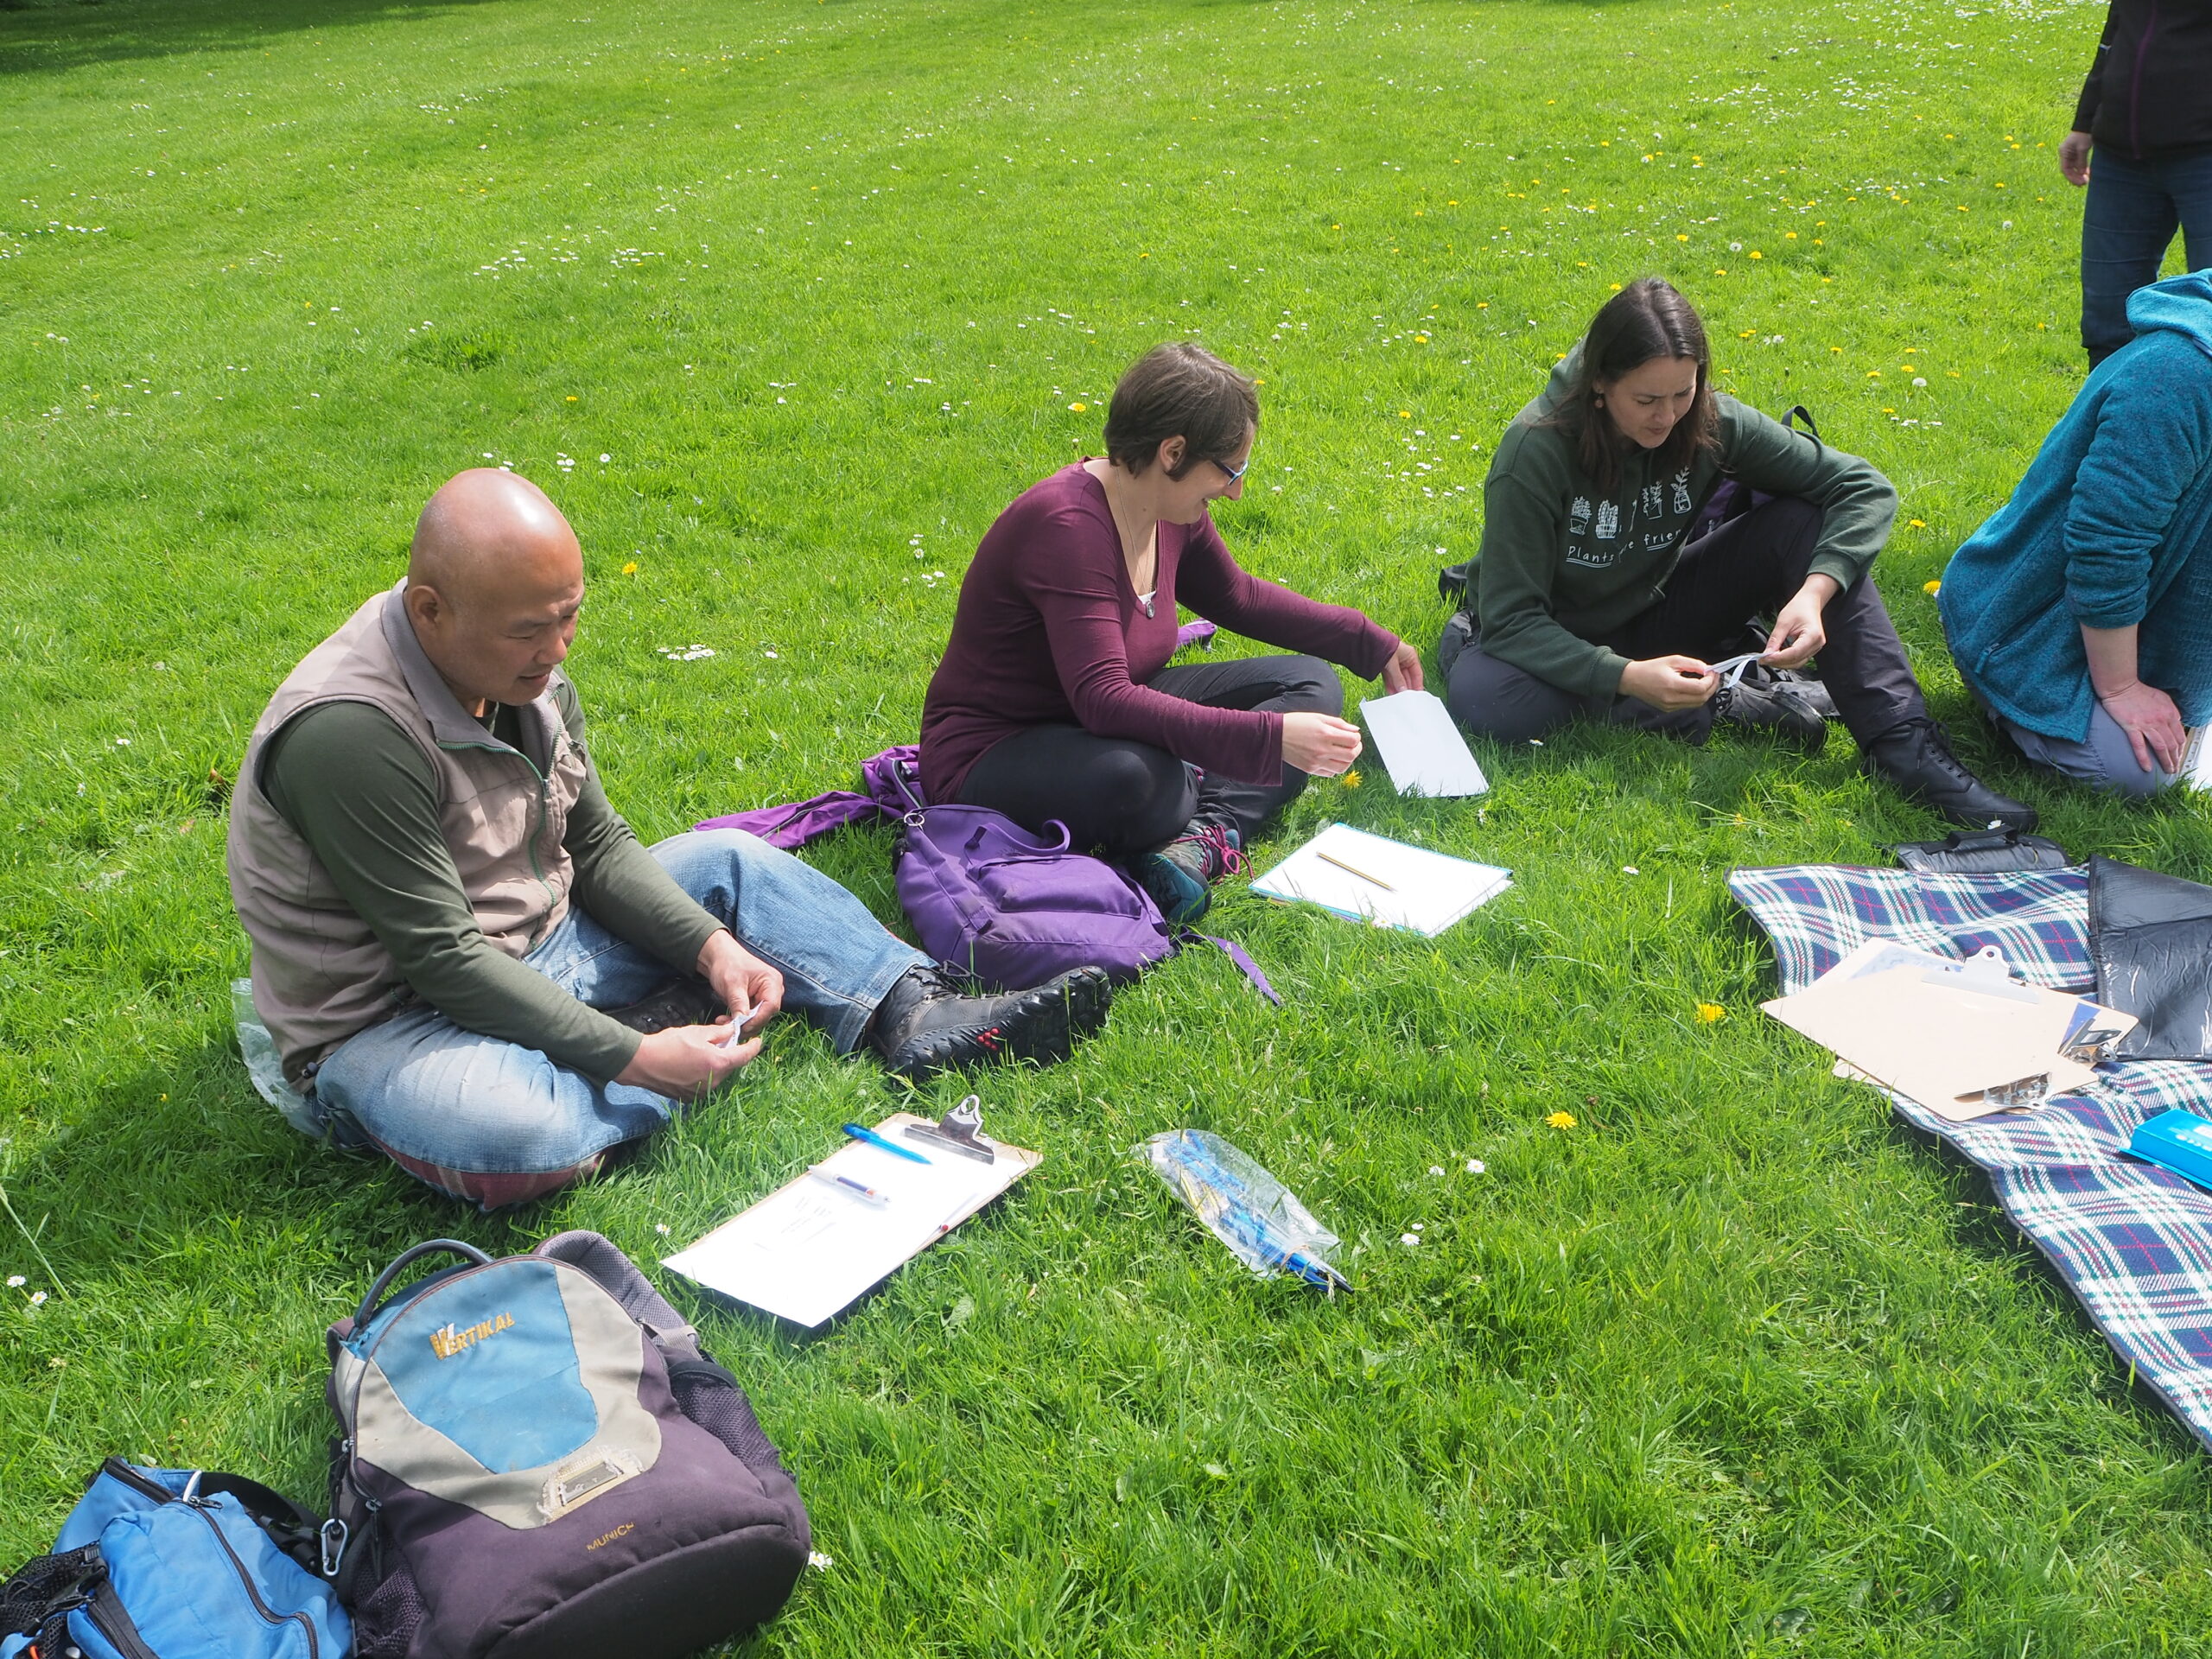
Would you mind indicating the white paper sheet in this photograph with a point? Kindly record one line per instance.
(1383, 881)
(811, 1248)
(2197, 760)
(1421, 746)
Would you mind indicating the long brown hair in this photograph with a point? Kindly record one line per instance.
(1646, 320)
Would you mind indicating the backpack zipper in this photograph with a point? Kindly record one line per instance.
(269, 1614)
(106, 1610)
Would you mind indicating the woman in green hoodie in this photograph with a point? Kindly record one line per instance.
(1589, 598)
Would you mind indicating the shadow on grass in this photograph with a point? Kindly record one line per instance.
(42, 35)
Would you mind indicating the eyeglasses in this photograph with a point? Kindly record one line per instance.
(1236, 473)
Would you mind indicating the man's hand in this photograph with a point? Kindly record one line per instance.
(1402, 671)
(2152, 724)
(2074, 158)
(749, 987)
(685, 1062)
(1669, 682)
(1798, 635)
(1321, 746)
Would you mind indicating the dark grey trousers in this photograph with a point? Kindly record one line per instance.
(1748, 568)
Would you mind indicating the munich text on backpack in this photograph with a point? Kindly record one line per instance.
(987, 898)
(538, 1463)
(176, 1564)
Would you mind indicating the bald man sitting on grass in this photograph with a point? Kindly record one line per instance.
(443, 905)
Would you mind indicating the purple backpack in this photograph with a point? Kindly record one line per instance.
(986, 897)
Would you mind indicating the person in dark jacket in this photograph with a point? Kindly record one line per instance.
(2145, 117)
(1589, 597)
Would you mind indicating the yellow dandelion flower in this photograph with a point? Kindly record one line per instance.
(572, 397)
(1078, 409)
(1679, 237)
(631, 569)
(1931, 587)
(1837, 350)
(1405, 414)
(1562, 1120)
(1789, 236)
(1710, 1014)
(1351, 780)
(1756, 254)
(1917, 523)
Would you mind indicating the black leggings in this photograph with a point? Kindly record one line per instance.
(1122, 798)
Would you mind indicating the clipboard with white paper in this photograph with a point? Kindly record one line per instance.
(1421, 747)
(812, 1248)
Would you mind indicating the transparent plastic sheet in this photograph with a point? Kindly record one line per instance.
(258, 1049)
(1258, 1218)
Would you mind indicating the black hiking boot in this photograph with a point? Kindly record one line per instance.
(1180, 875)
(926, 1023)
(687, 1001)
(1773, 707)
(1915, 759)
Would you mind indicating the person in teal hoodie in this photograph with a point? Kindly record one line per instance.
(2081, 613)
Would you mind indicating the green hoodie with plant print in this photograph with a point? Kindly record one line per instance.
(1563, 562)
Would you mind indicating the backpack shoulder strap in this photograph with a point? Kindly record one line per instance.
(600, 1260)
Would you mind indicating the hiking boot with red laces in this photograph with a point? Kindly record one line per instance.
(1180, 875)
(927, 1023)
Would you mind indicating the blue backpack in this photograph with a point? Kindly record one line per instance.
(176, 1564)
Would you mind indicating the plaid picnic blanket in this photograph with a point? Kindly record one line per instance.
(2133, 1241)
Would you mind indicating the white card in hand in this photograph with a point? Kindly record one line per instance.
(1421, 746)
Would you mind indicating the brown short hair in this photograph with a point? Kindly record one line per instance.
(1179, 391)
(1646, 320)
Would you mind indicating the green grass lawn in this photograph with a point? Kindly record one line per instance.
(783, 301)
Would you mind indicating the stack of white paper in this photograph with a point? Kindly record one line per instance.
(1374, 879)
(1421, 746)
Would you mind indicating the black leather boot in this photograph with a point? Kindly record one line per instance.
(686, 1001)
(1915, 759)
(926, 1023)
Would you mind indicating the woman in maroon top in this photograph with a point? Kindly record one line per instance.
(1055, 700)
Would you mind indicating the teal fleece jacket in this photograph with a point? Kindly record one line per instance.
(2109, 527)
(1563, 562)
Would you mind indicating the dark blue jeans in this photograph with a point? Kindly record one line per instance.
(2129, 219)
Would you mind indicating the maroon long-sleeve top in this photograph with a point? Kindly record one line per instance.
(1049, 631)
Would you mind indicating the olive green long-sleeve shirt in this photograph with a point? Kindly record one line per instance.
(1563, 562)
(364, 798)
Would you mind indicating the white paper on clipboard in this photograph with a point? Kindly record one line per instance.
(810, 1249)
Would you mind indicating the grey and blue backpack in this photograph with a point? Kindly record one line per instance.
(176, 1564)
(537, 1462)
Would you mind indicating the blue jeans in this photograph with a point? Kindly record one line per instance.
(495, 1122)
(2129, 219)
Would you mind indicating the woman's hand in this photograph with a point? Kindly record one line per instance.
(1798, 635)
(1321, 746)
(1669, 682)
(2153, 723)
(2144, 712)
(1402, 671)
(2074, 158)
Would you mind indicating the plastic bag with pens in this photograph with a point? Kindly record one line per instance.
(1258, 1218)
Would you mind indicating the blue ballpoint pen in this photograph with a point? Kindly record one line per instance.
(858, 1133)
